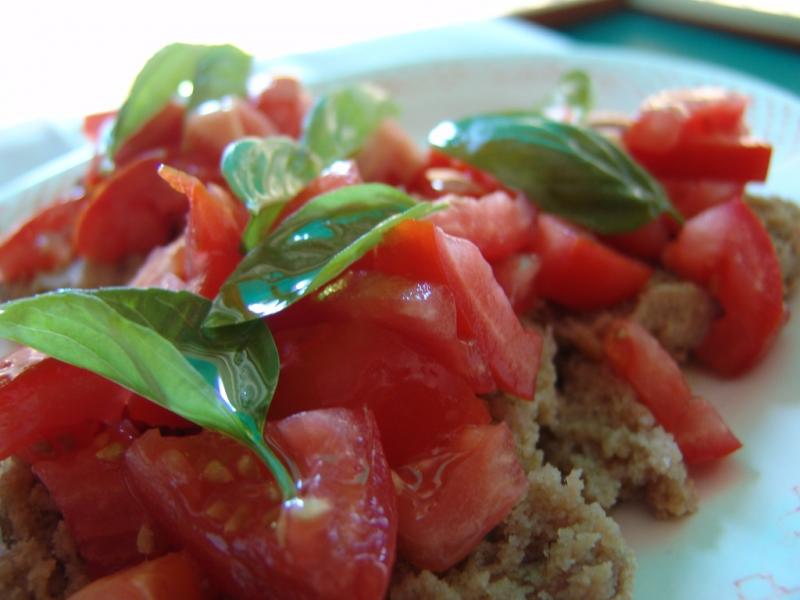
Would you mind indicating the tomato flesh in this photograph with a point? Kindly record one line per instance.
(637, 357)
(284, 103)
(103, 517)
(214, 497)
(516, 274)
(41, 396)
(414, 398)
(727, 250)
(580, 272)
(162, 131)
(451, 497)
(167, 578)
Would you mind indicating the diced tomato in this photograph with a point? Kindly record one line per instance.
(218, 123)
(697, 134)
(164, 268)
(43, 243)
(498, 224)
(647, 242)
(94, 124)
(580, 272)
(171, 577)
(422, 312)
(691, 197)
(130, 213)
(162, 132)
(41, 397)
(109, 526)
(450, 498)
(441, 174)
(637, 357)
(516, 274)
(420, 251)
(216, 499)
(141, 410)
(414, 398)
(340, 174)
(727, 250)
(213, 232)
(285, 103)
(64, 441)
(389, 155)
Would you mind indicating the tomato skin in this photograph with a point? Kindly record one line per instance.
(141, 410)
(43, 243)
(171, 577)
(646, 242)
(284, 102)
(415, 399)
(389, 155)
(450, 498)
(693, 196)
(40, 396)
(213, 232)
(727, 250)
(214, 497)
(580, 272)
(516, 274)
(162, 131)
(498, 224)
(101, 514)
(130, 213)
(420, 251)
(637, 357)
(442, 174)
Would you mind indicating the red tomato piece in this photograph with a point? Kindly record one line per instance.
(109, 526)
(691, 197)
(130, 213)
(285, 103)
(162, 131)
(498, 224)
(389, 155)
(171, 577)
(450, 498)
(647, 242)
(43, 243)
(580, 272)
(164, 268)
(727, 250)
(414, 398)
(335, 540)
(94, 124)
(41, 396)
(637, 357)
(141, 410)
(213, 233)
(340, 174)
(442, 174)
(420, 251)
(422, 312)
(218, 123)
(516, 274)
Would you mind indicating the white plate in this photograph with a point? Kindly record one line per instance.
(745, 540)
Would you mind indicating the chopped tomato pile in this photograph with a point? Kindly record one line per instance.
(381, 407)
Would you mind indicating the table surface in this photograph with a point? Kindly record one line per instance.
(771, 62)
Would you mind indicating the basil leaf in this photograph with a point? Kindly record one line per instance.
(340, 122)
(258, 226)
(267, 171)
(150, 342)
(565, 169)
(215, 71)
(571, 100)
(313, 246)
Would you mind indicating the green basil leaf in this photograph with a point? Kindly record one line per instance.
(565, 169)
(259, 225)
(151, 342)
(341, 121)
(262, 172)
(571, 100)
(313, 246)
(215, 71)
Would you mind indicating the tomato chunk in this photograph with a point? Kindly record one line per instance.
(41, 396)
(130, 213)
(43, 243)
(284, 102)
(450, 498)
(516, 274)
(167, 578)
(213, 233)
(637, 357)
(414, 398)
(109, 526)
(497, 223)
(215, 498)
(727, 250)
(162, 131)
(580, 272)
(419, 250)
